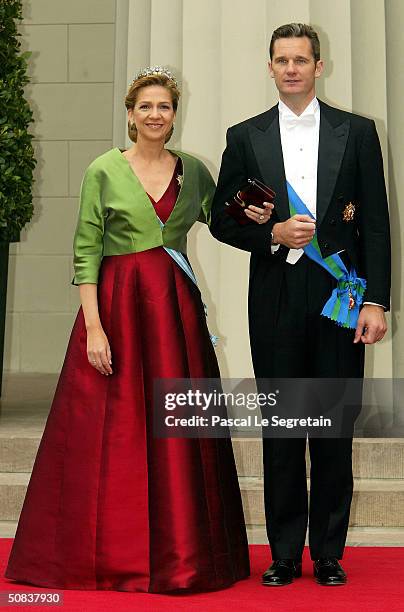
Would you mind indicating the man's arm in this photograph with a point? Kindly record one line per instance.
(374, 225)
(233, 175)
(374, 235)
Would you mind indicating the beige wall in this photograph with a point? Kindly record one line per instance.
(71, 91)
(219, 50)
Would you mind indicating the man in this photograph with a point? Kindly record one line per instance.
(332, 160)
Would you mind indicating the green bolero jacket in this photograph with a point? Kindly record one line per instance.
(117, 217)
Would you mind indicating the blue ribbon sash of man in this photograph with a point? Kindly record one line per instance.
(344, 303)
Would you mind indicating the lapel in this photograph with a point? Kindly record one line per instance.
(145, 207)
(266, 143)
(334, 131)
(188, 200)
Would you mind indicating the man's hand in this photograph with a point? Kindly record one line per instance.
(295, 233)
(371, 324)
(258, 214)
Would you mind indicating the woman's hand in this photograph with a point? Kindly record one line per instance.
(258, 214)
(98, 350)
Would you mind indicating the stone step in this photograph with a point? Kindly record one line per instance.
(376, 502)
(17, 454)
(371, 457)
(357, 536)
(21, 428)
(8, 529)
(13, 487)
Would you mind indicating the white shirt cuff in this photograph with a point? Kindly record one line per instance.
(375, 304)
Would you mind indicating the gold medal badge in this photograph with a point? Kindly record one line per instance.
(348, 212)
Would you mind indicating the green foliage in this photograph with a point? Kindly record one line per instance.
(16, 153)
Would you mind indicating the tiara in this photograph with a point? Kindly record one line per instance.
(156, 70)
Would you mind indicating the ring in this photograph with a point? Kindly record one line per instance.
(261, 217)
(93, 362)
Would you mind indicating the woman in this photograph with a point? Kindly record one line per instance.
(109, 506)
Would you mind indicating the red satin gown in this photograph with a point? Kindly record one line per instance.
(108, 505)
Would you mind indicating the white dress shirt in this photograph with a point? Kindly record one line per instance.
(299, 139)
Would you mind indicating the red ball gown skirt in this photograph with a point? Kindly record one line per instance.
(109, 506)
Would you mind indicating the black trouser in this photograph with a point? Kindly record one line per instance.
(290, 339)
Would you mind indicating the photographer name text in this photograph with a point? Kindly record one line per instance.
(247, 421)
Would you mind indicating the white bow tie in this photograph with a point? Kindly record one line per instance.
(291, 121)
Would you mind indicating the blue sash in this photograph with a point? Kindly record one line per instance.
(343, 305)
(181, 261)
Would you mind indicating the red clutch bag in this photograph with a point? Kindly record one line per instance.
(255, 193)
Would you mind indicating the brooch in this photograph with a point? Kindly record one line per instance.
(180, 179)
(348, 212)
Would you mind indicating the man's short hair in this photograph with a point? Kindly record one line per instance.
(296, 30)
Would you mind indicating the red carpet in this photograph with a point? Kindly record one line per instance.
(367, 591)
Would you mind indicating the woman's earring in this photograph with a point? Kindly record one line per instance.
(132, 131)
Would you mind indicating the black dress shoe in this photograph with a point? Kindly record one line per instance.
(328, 572)
(281, 572)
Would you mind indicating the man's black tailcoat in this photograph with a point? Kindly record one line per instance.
(350, 169)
